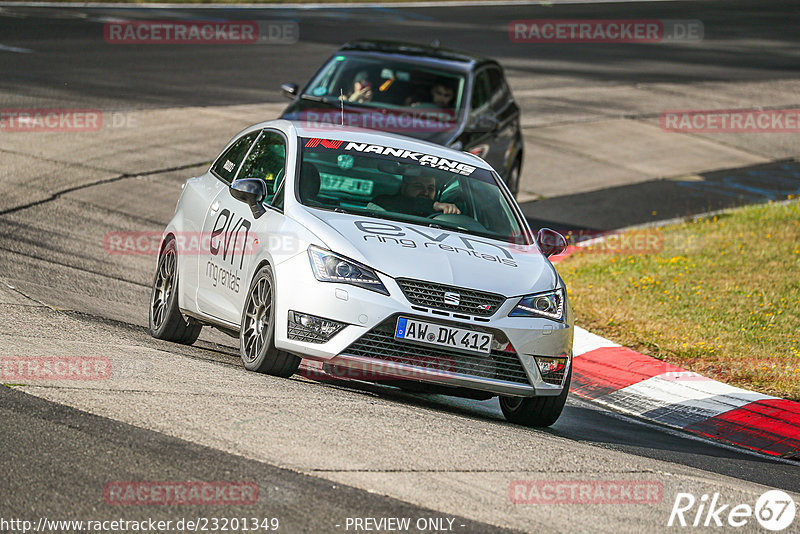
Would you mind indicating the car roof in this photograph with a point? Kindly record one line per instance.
(373, 137)
(454, 58)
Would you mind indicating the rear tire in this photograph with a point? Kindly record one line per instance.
(535, 411)
(257, 335)
(166, 321)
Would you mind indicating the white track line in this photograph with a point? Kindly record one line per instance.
(18, 50)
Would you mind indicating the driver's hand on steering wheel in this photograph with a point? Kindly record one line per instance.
(446, 208)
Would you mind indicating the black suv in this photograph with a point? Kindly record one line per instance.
(446, 97)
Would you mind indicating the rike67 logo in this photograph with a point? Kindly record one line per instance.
(774, 510)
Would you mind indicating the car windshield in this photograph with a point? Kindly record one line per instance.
(403, 185)
(388, 84)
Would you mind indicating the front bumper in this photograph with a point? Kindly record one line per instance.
(367, 342)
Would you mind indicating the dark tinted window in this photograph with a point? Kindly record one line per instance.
(480, 92)
(229, 162)
(497, 86)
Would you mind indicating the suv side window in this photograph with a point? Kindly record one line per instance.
(497, 87)
(266, 161)
(480, 91)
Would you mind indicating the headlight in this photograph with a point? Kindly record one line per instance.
(330, 267)
(549, 305)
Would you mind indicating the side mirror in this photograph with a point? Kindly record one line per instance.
(550, 242)
(251, 191)
(289, 90)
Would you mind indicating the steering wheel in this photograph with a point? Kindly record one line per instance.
(439, 213)
(463, 222)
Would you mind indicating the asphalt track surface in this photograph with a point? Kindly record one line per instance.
(73, 65)
(319, 452)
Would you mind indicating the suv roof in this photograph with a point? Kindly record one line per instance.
(416, 51)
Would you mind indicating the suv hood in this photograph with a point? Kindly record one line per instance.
(405, 250)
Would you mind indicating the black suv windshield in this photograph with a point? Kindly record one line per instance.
(389, 95)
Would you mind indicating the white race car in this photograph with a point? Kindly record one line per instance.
(369, 251)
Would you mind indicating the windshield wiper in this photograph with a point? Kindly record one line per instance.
(337, 103)
(321, 100)
(306, 96)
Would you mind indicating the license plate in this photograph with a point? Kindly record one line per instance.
(330, 182)
(443, 336)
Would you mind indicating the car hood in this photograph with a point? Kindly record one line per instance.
(404, 250)
(427, 124)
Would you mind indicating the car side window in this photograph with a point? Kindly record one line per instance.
(228, 163)
(480, 91)
(497, 87)
(266, 161)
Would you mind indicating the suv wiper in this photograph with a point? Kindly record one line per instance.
(306, 96)
(321, 100)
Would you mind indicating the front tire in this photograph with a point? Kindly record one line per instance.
(166, 320)
(535, 411)
(257, 335)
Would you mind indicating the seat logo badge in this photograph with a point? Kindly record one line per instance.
(452, 299)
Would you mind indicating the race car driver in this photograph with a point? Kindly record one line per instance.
(416, 197)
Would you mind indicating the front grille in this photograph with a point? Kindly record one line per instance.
(380, 344)
(432, 295)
